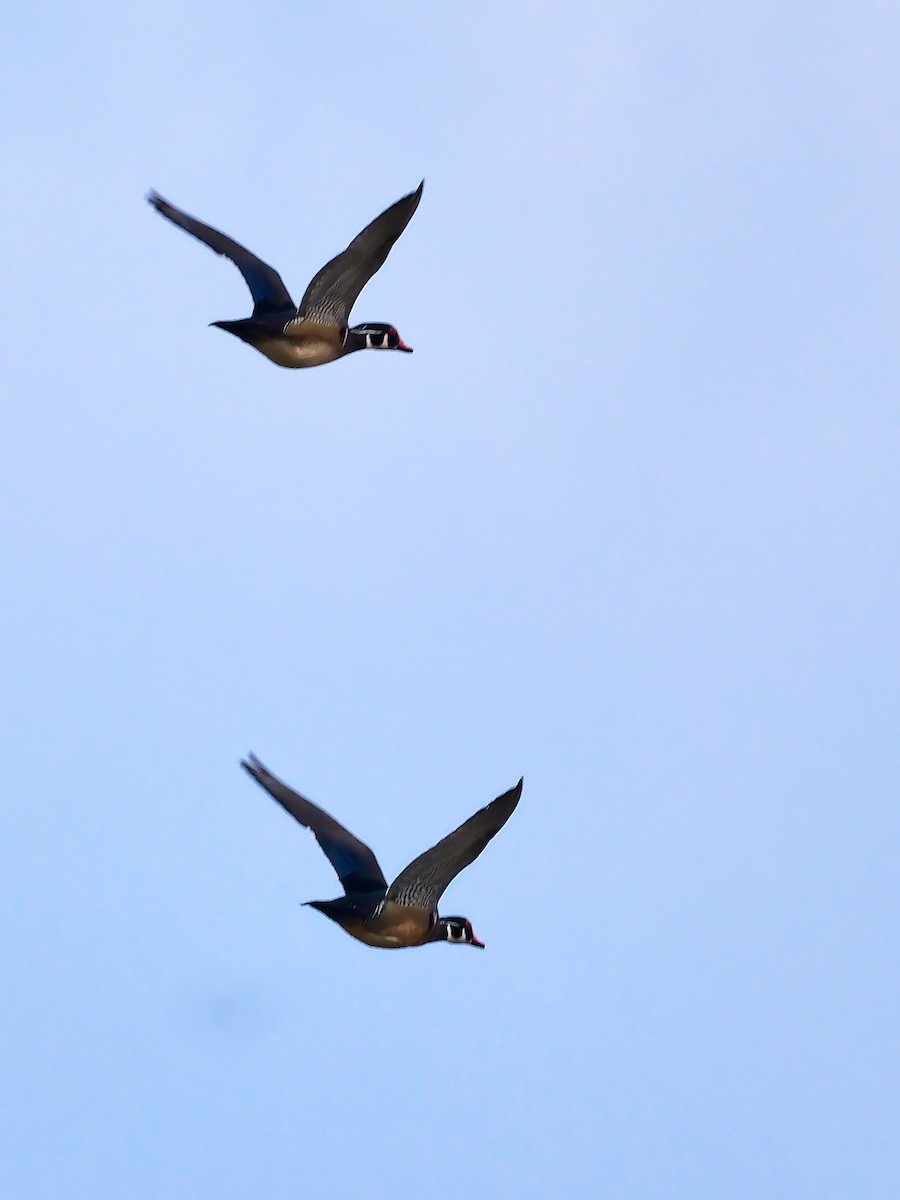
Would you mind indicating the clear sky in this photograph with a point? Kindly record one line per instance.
(625, 523)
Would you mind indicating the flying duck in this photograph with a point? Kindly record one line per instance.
(317, 332)
(404, 914)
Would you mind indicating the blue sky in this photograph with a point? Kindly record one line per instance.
(626, 523)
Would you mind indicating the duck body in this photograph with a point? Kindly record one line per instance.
(310, 345)
(294, 342)
(377, 921)
(404, 913)
(317, 331)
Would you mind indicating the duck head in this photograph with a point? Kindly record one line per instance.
(455, 929)
(377, 337)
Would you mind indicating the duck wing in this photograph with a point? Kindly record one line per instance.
(423, 882)
(355, 864)
(265, 284)
(334, 290)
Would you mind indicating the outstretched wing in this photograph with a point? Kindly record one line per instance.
(333, 291)
(265, 284)
(356, 865)
(423, 882)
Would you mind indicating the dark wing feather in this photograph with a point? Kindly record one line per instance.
(423, 882)
(333, 291)
(356, 865)
(265, 284)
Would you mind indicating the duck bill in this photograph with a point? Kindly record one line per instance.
(401, 345)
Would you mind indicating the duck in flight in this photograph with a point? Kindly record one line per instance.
(404, 913)
(318, 331)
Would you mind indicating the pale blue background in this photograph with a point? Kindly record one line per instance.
(627, 523)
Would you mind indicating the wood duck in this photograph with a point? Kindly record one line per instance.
(317, 332)
(404, 914)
